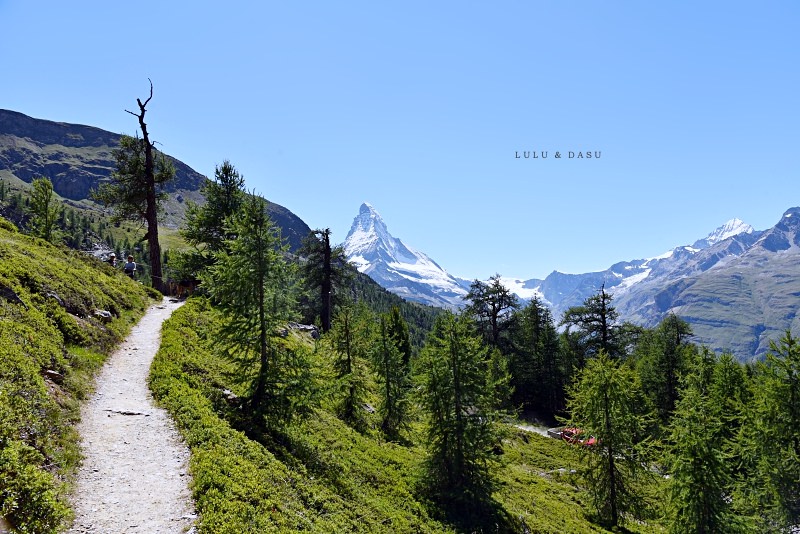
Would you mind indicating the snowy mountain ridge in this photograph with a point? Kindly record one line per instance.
(738, 288)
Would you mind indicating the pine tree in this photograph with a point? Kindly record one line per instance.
(663, 356)
(491, 305)
(596, 323)
(538, 373)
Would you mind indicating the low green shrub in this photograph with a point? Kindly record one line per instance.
(7, 225)
(50, 344)
(28, 495)
(319, 475)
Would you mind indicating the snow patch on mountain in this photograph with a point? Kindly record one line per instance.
(729, 229)
(523, 289)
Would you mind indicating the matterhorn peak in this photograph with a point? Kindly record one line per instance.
(396, 266)
(367, 232)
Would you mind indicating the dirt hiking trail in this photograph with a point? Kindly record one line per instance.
(134, 477)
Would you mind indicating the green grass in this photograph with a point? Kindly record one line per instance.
(319, 475)
(50, 345)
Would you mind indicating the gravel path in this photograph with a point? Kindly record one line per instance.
(134, 476)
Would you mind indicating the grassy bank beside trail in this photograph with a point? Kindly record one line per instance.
(52, 340)
(318, 474)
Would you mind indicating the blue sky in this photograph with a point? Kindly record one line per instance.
(419, 109)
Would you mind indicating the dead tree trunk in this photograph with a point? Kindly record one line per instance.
(151, 209)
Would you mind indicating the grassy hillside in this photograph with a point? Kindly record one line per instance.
(51, 341)
(746, 305)
(319, 475)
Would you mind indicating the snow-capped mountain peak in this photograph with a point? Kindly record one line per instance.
(370, 238)
(729, 229)
(398, 267)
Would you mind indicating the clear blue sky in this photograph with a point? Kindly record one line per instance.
(419, 108)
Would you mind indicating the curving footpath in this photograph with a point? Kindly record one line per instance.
(134, 477)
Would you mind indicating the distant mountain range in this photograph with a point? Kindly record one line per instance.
(737, 287)
(76, 158)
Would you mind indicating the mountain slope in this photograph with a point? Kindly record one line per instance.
(738, 288)
(76, 158)
(61, 312)
(396, 266)
(746, 300)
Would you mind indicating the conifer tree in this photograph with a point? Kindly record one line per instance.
(596, 323)
(663, 356)
(352, 338)
(45, 210)
(458, 396)
(251, 284)
(136, 188)
(771, 488)
(206, 225)
(491, 305)
(395, 382)
(324, 271)
(538, 373)
(397, 329)
(700, 472)
(730, 393)
(607, 403)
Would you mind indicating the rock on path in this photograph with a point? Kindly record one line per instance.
(134, 476)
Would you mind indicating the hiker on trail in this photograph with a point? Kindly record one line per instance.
(130, 267)
(112, 259)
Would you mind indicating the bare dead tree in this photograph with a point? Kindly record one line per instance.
(151, 196)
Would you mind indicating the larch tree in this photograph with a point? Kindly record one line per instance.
(352, 338)
(458, 395)
(44, 210)
(251, 284)
(136, 187)
(773, 435)
(387, 358)
(324, 270)
(397, 329)
(607, 402)
(699, 466)
(206, 226)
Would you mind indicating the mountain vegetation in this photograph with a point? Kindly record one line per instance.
(399, 417)
(61, 312)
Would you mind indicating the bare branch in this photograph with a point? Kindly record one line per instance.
(148, 98)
